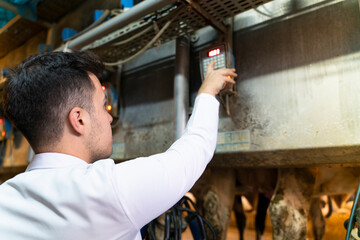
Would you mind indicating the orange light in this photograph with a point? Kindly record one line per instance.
(3, 133)
(228, 76)
(108, 107)
(103, 87)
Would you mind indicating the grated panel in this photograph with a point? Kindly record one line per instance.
(187, 22)
(222, 9)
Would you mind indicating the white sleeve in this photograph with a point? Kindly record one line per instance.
(147, 187)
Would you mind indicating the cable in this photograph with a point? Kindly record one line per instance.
(149, 44)
(116, 11)
(167, 226)
(133, 37)
(353, 210)
(173, 227)
(143, 49)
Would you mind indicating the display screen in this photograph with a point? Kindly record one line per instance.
(214, 52)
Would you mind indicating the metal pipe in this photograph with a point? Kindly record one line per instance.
(181, 84)
(133, 14)
(9, 6)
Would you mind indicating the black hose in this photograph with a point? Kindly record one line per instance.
(173, 221)
(152, 231)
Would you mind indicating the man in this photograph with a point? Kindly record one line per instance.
(55, 99)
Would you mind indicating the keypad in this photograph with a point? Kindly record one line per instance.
(220, 62)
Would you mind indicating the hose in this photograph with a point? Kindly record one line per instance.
(351, 223)
(173, 221)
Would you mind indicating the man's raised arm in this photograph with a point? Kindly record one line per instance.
(149, 186)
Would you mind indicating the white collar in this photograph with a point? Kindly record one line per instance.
(54, 160)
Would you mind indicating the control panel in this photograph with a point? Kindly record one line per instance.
(223, 57)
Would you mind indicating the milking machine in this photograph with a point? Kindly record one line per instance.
(182, 215)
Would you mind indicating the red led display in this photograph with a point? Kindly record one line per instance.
(214, 52)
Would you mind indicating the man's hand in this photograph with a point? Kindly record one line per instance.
(215, 79)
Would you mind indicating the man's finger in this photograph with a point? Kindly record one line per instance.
(210, 67)
(230, 80)
(228, 71)
(232, 74)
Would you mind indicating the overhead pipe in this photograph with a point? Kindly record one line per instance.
(123, 19)
(181, 84)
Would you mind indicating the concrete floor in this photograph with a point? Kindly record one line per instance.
(334, 226)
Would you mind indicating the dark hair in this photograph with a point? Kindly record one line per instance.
(42, 90)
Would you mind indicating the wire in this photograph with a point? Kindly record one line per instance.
(149, 44)
(116, 11)
(262, 13)
(133, 37)
(143, 49)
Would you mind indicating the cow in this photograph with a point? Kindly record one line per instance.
(217, 192)
(295, 196)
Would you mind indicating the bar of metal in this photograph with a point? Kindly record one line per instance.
(181, 84)
(9, 6)
(136, 12)
(218, 25)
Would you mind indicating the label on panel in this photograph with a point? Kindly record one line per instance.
(234, 141)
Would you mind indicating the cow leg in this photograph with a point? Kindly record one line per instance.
(240, 216)
(317, 219)
(218, 201)
(290, 204)
(261, 212)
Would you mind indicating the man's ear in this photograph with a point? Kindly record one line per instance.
(78, 119)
